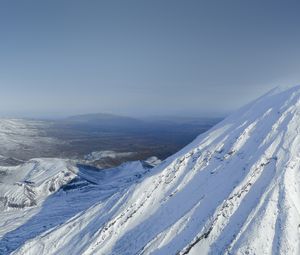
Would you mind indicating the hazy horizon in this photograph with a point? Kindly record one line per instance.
(56, 116)
(139, 58)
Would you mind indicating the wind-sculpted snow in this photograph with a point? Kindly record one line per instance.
(41, 195)
(233, 190)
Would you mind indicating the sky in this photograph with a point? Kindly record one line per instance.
(139, 58)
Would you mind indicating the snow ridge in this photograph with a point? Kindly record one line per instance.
(234, 190)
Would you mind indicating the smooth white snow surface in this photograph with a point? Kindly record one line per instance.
(234, 190)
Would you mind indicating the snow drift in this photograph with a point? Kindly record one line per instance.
(233, 190)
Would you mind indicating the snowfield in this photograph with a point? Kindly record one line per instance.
(234, 190)
(19, 136)
(44, 194)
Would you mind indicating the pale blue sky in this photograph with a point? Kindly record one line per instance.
(136, 58)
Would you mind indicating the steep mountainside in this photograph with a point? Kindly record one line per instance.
(234, 190)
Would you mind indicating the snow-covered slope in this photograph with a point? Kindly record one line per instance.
(108, 159)
(233, 190)
(43, 194)
(15, 133)
(19, 137)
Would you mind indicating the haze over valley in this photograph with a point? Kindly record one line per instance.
(154, 127)
(77, 136)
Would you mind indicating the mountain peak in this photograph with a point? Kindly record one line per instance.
(234, 190)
